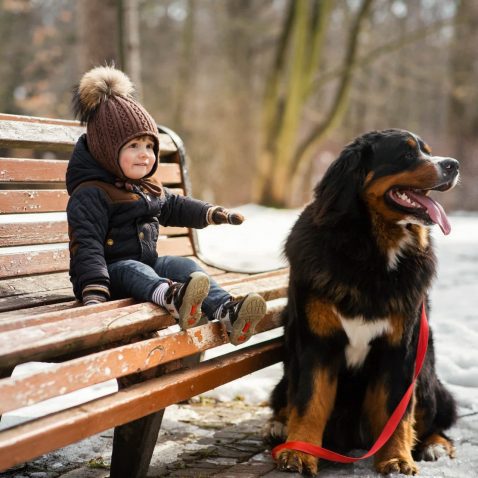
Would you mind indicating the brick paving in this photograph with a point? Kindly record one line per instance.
(200, 439)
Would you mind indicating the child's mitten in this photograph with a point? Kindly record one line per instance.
(220, 215)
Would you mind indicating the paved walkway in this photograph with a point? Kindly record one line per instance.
(223, 440)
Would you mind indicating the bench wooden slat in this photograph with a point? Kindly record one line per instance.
(270, 289)
(102, 366)
(118, 362)
(21, 170)
(28, 233)
(30, 440)
(50, 232)
(40, 261)
(57, 312)
(44, 313)
(49, 135)
(174, 246)
(33, 170)
(70, 334)
(27, 201)
(63, 332)
(53, 137)
(44, 290)
(14, 264)
(18, 201)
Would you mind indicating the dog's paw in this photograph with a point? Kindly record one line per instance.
(296, 461)
(397, 465)
(433, 448)
(274, 431)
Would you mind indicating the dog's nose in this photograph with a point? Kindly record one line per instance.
(449, 166)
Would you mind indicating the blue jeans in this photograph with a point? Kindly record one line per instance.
(130, 278)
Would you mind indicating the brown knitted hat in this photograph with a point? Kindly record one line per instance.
(103, 100)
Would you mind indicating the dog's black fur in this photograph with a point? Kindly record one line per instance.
(357, 253)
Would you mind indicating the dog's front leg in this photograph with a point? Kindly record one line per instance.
(310, 407)
(396, 455)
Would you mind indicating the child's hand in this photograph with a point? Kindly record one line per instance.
(219, 215)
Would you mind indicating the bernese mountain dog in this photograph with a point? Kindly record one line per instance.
(361, 265)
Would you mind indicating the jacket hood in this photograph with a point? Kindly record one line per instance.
(83, 167)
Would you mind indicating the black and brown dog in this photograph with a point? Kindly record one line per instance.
(362, 263)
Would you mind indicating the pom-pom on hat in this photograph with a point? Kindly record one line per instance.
(104, 101)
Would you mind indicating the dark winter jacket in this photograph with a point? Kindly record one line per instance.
(107, 224)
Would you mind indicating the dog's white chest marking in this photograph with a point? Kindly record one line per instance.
(360, 333)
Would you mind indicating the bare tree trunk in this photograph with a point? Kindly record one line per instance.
(463, 116)
(298, 56)
(186, 61)
(98, 33)
(305, 150)
(130, 41)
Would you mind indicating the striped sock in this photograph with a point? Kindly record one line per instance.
(159, 292)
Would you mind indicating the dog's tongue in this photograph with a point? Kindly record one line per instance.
(435, 210)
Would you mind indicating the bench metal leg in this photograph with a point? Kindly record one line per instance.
(133, 446)
(134, 442)
(6, 373)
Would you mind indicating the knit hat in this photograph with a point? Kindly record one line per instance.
(103, 100)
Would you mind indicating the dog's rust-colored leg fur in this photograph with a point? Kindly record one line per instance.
(310, 425)
(396, 454)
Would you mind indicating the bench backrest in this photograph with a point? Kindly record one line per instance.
(34, 155)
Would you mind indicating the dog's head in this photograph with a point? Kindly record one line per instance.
(391, 173)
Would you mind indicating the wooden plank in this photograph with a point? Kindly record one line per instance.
(272, 289)
(38, 232)
(121, 361)
(36, 135)
(268, 287)
(169, 173)
(50, 232)
(70, 335)
(34, 170)
(40, 261)
(17, 201)
(63, 332)
(57, 312)
(51, 170)
(27, 441)
(27, 201)
(37, 119)
(174, 246)
(13, 264)
(53, 135)
(102, 366)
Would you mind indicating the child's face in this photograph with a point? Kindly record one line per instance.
(136, 157)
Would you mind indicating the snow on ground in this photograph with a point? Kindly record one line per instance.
(257, 245)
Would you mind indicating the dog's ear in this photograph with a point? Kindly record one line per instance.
(338, 193)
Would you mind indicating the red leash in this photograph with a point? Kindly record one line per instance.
(390, 426)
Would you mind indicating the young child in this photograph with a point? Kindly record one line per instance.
(116, 206)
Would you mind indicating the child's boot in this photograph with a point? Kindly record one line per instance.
(241, 317)
(183, 301)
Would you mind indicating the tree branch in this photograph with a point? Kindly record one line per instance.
(339, 103)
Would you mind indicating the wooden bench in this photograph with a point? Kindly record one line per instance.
(41, 321)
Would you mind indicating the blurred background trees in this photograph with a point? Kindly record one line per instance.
(265, 93)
